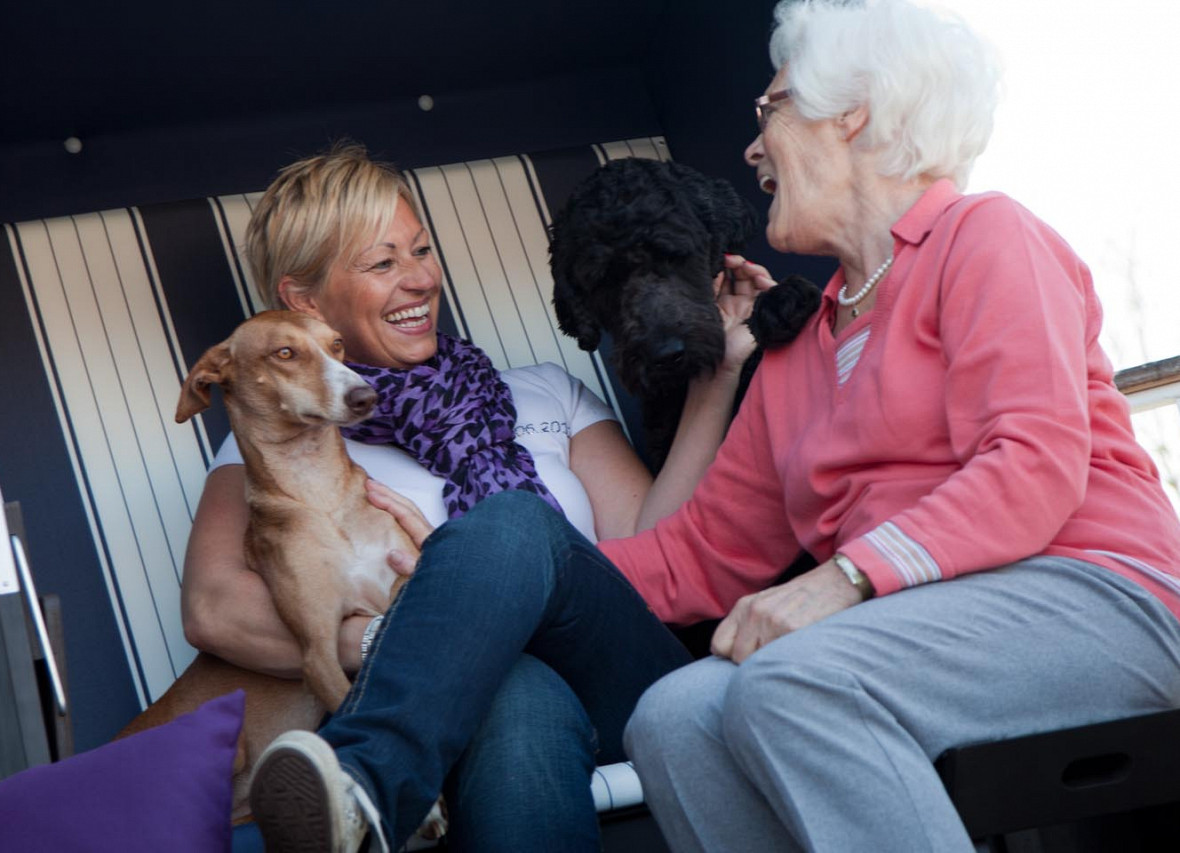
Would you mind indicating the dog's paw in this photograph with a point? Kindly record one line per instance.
(434, 826)
(780, 313)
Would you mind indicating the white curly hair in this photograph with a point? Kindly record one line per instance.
(930, 84)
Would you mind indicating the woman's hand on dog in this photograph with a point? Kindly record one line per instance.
(736, 287)
(408, 515)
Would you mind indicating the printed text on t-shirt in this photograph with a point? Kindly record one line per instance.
(542, 427)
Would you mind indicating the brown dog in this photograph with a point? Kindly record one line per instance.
(312, 534)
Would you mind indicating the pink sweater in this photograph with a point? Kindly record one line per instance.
(978, 426)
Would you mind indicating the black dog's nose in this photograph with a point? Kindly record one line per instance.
(360, 399)
(671, 350)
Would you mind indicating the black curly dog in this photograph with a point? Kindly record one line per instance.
(634, 252)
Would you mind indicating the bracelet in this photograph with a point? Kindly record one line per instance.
(855, 576)
(367, 637)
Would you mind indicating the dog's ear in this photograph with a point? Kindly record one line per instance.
(573, 315)
(780, 313)
(211, 368)
(574, 260)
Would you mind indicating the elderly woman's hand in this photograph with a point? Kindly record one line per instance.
(408, 516)
(765, 616)
(736, 287)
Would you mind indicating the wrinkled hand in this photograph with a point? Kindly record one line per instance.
(736, 288)
(408, 515)
(765, 616)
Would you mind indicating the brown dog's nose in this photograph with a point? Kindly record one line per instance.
(360, 399)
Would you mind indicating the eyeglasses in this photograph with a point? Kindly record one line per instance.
(763, 106)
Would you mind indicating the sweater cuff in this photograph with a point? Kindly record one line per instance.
(891, 559)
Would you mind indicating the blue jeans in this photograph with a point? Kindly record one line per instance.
(523, 783)
(511, 576)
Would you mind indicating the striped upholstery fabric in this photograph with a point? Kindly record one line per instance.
(101, 316)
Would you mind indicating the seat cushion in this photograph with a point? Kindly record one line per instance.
(167, 788)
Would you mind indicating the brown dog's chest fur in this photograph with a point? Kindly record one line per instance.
(302, 521)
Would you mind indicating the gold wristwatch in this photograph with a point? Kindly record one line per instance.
(855, 576)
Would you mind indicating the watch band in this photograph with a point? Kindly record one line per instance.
(367, 637)
(855, 576)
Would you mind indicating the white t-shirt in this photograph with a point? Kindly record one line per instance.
(551, 406)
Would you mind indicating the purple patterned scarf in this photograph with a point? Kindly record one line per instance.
(454, 414)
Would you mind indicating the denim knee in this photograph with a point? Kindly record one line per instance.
(505, 546)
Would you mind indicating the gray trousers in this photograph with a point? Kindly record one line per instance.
(823, 740)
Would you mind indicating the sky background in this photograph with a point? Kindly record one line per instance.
(1087, 138)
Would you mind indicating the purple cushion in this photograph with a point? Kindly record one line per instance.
(167, 788)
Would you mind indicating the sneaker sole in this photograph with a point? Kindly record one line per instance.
(290, 805)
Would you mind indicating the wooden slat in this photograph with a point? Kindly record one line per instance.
(1144, 377)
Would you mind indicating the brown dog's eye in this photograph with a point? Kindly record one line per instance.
(286, 353)
(338, 345)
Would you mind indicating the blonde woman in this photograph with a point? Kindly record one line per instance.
(338, 236)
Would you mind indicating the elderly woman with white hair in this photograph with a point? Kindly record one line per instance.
(997, 554)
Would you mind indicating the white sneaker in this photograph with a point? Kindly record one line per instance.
(304, 803)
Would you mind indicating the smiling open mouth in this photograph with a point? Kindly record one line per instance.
(409, 318)
(767, 184)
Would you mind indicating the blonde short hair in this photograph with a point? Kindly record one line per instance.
(318, 210)
(931, 84)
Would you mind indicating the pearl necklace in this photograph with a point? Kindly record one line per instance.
(850, 301)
